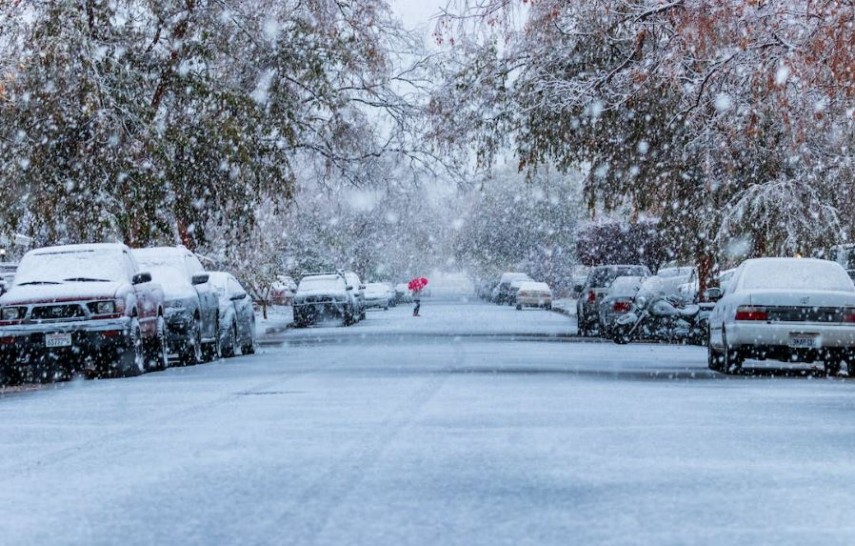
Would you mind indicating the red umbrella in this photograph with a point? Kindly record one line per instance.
(417, 284)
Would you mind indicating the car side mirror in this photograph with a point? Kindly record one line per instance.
(238, 297)
(141, 278)
(362, 287)
(713, 294)
(349, 288)
(200, 278)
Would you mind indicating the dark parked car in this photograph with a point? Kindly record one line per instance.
(81, 308)
(192, 307)
(595, 287)
(321, 297)
(237, 318)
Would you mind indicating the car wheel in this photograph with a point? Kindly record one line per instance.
(621, 333)
(833, 366)
(519, 307)
(714, 358)
(212, 350)
(249, 348)
(191, 352)
(132, 361)
(549, 307)
(230, 348)
(731, 357)
(159, 359)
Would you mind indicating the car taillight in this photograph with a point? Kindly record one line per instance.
(745, 312)
(592, 296)
(621, 306)
(849, 315)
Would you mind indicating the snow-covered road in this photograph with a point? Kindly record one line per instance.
(473, 424)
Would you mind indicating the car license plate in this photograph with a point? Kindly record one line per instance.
(805, 341)
(57, 340)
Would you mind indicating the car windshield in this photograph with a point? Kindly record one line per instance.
(71, 266)
(795, 275)
(167, 274)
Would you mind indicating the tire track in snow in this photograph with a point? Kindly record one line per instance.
(330, 490)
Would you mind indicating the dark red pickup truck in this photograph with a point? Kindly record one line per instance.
(81, 309)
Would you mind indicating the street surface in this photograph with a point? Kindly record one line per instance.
(473, 424)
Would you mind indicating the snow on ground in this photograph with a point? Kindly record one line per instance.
(342, 438)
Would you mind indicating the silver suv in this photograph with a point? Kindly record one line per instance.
(323, 296)
(595, 287)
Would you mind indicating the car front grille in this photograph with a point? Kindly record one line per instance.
(319, 299)
(57, 312)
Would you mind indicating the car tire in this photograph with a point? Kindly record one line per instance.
(833, 365)
(211, 350)
(714, 358)
(519, 307)
(191, 352)
(133, 360)
(230, 349)
(249, 348)
(620, 334)
(159, 354)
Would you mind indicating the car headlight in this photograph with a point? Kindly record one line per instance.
(640, 301)
(102, 308)
(106, 307)
(13, 313)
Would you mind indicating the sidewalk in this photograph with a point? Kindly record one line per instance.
(565, 306)
(279, 319)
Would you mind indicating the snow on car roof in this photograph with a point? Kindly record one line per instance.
(667, 272)
(534, 285)
(626, 285)
(60, 263)
(158, 254)
(320, 282)
(794, 274)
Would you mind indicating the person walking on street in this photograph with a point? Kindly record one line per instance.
(416, 286)
(417, 298)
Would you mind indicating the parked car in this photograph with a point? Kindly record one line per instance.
(595, 287)
(502, 293)
(321, 297)
(403, 293)
(237, 316)
(7, 275)
(617, 301)
(81, 308)
(514, 288)
(192, 306)
(788, 309)
(674, 277)
(357, 293)
(379, 295)
(283, 290)
(534, 294)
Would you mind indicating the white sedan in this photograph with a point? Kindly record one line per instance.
(787, 309)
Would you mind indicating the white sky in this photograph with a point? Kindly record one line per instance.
(416, 12)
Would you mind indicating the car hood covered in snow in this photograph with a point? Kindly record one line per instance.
(67, 291)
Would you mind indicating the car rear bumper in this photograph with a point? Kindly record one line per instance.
(778, 341)
(530, 301)
(836, 336)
